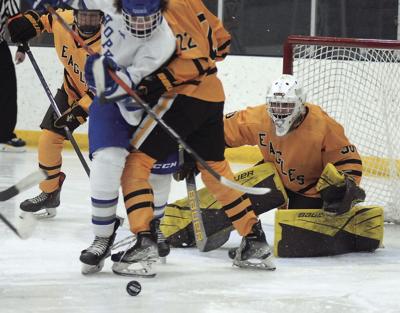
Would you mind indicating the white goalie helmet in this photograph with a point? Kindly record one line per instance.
(285, 101)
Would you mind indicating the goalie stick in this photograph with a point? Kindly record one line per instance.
(223, 180)
(26, 222)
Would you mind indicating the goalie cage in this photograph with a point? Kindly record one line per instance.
(357, 82)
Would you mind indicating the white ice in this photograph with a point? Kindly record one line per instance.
(42, 274)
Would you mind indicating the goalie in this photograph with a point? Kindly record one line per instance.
(320, 171)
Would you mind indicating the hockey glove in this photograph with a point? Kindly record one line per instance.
(72, 118)
(100, 81)
(338, 191)
(152, 87)
(23, 27)
(187, 166)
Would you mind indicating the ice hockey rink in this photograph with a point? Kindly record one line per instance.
(42, 274)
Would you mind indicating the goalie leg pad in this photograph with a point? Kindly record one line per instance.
(177, 222)
(310, 232)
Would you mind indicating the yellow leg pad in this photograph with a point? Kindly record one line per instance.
(309, 232)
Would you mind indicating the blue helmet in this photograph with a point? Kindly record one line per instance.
(142, 17)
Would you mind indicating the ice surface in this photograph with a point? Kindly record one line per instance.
(42, 274)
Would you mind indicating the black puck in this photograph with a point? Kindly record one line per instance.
(133, 288)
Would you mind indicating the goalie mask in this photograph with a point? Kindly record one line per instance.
(285, 102)
(142, 17)
(88, 22)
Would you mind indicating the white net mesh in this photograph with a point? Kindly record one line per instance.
(360, 88)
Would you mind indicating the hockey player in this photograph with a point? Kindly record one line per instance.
(73, 98)
(319, 169)
(133, 55)
(192, 104)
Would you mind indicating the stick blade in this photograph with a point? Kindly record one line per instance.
(244, 189)
(25, 183)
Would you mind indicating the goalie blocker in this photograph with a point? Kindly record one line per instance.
(298, 232)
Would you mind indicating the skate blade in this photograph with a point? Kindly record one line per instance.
(262, 264)
(45, 213)
(91, 269)
(136, 269)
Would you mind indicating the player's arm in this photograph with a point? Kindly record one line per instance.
(30, 24)
(338, 184)
(239, 128)
(222, 36)
(23, 27)
(76, 114)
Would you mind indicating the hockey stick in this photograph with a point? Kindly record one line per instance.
(55, 107)
(197, 219)
(26, 222)
(160, 121)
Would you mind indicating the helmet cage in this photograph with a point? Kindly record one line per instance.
(88, 22)
(142, 26)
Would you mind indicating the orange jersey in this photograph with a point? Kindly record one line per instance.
(72, 56)
(301, 155)
(201, 42)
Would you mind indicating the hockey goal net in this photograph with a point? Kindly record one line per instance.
(357, 82)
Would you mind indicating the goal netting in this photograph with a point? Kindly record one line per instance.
(357, 81)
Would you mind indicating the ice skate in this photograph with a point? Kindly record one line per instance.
(93, 257)
(254, 251)
(45, 204)
(137, 260)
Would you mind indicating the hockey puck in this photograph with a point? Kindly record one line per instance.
(133, 288)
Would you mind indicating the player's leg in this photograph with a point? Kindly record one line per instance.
(160, 180)
(208, 140)
(50, 147)
(201, 123)
(109, 143)
(139, 203)
(8, 101)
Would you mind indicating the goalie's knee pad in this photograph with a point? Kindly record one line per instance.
(310, 232)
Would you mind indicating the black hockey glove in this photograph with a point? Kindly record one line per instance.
(187, 166)
(23, 27)
(152, 87)
(72, 118)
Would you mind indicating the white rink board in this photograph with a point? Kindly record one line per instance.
(245, 80)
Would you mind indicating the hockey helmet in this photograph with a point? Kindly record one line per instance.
(285, 101)
(142, 17)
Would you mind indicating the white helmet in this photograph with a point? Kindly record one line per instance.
(285, 102)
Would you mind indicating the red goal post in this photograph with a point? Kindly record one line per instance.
(357, 81)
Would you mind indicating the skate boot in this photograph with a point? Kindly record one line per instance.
(93, 257)
(254, 251)
(45, 204)
(162, 242)
(137, 260)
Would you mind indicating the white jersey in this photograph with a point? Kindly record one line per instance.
(140, 57)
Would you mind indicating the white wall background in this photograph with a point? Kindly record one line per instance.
(245, 79)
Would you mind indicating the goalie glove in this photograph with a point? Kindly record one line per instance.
(338, 191)
(72, 118)
(23, 27)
